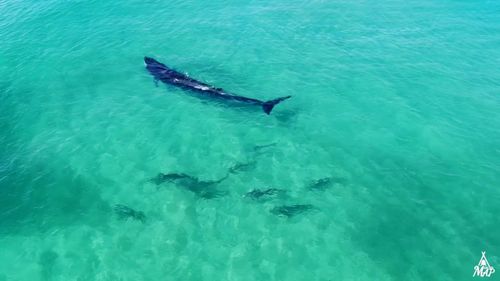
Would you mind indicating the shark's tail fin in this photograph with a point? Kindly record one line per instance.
(269, 105)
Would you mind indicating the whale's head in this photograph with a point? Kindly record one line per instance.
(156, 68)
(150, 61)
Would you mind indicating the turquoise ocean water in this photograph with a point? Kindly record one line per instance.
(397, 102)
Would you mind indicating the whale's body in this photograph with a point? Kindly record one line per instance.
(170, 76)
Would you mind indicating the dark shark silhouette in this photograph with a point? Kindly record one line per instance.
(325, 183)
(125, 212)
(290, 211)
(264, 194)
(170, 76)
(202, 188)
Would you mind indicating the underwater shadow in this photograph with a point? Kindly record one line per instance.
(40, 198)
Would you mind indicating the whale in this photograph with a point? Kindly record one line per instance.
(170, 76)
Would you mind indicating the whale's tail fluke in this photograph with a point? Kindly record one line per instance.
(269, 105)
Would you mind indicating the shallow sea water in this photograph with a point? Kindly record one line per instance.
(396, 101)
